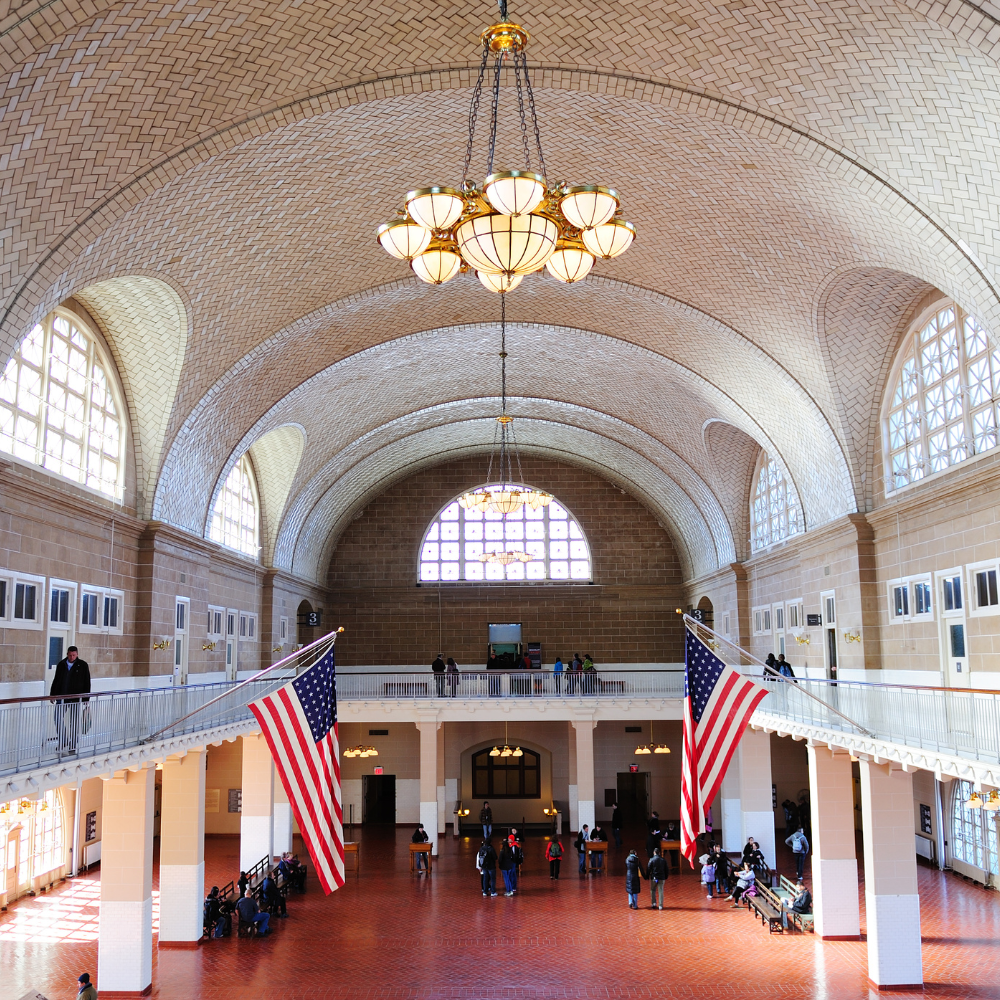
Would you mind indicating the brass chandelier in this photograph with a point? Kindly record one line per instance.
(504, 494)
(651, 747)
(516, 223)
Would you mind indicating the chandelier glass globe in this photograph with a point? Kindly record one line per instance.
(514, 192)
(513, 244)
(499, 283)
(435, 207)
(436, 266)
(570, 264)
(589, 205)
(403, 239)
(609, 240)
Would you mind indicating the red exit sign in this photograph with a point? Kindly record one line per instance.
(378, 770)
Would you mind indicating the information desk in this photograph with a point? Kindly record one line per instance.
(600, 848)
(671, 849)
(353, 847)
(416, 849)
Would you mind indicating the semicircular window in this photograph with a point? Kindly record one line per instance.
(459, 541)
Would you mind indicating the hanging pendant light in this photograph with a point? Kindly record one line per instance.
(651, 747)
(499, 283)
(514, 222)
(436, 266)
(570, 263)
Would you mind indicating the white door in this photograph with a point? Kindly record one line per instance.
(778, 620)
(62, 619)
(232, 646)
(828, 602)
(951, 623)
(181, 634)
(12, 863)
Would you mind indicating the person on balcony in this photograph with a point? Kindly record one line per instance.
(72, 677)
(438, 669)
(453, 677)
(557, 673)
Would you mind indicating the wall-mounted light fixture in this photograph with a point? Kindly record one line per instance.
(162, 645)
(854, 636)
(802, 640)
(208, 647)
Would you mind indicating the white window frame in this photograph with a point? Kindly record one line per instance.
(944, 576)
(725, 625)
(12, 580)
(71, 587)
(762, 620)
(215, 611)
(232, 623)
(909, 587)
(282, 629)
(248, 626)
(102, 595)
(972, 607)
(794, 609)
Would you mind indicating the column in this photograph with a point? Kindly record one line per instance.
(584, 772)
(729, 812)
(442, 817)
(756, 803)
(891, 900)
(258, 802)
(125, 934)
(282, 825)
(182, 849)
(428, 779)
(834, 860)
(572, 812)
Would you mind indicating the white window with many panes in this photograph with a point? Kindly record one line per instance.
(235, 515)
(457, 537)
(941, 408)
(59, 405)
(775, 512)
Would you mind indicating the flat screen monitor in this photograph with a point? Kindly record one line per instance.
(505, 633)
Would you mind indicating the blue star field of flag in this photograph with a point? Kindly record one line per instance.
(703, 671)
(317, 692)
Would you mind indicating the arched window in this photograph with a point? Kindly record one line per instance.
(506, 777)
(33, 834)
(974, 831)
(234, 518)
(774, 510)
(58, 406)
(942, 405)
(457, 537)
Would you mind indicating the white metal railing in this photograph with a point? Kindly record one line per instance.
(961, 723)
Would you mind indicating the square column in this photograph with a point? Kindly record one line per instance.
(442, 818)
(125, 935)
(585, 772)
(572, 812)
(728, 810)
(756, 803)
(891, 898)
(834, 859)
(282, 826)
(429, 780)
(258, 802)
(182, 849)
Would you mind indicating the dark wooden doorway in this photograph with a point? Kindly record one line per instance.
(633, 796)
(379, 794)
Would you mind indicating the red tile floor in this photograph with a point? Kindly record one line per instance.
(388, 934)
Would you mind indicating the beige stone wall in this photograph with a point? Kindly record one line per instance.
(223, 770)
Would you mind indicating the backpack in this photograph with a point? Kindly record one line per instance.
(708, 874)
(555, 851)
(481, 856)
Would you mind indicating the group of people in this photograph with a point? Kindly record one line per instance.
(219, 910)
(445, 672)
(508, 860)
(779, 665)
(580, 673)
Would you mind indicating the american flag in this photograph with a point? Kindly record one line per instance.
(718, 703)
(299, 722)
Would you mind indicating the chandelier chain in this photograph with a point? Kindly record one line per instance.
(474, 113)
(495, 111)
(534, 115)
(524, 120)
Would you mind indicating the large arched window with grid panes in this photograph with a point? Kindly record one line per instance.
(458, 538)
(236, 515)
(59, 405)
(974, 836)
(775, 512)
(941, 408)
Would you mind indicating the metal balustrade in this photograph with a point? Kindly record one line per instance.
(960, 723)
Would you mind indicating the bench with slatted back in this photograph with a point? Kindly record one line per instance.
(804, 921)
(767, 906)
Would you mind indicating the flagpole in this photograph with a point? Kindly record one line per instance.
(689, 622)
(330, 636)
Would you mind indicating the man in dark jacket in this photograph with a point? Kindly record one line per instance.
(250, 914)
(802, 902)
(653, 841)
(581, 846)
(598, 834)
(420, 837)
(438, 667)
(657, 874)
(273, 899)
(486, 862)
(72, 677)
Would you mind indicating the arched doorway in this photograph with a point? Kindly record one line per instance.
(303, 630)
(707, 612)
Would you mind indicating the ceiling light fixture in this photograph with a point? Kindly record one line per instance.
(506, 750)
(515, 223)
(652, 747)
(361, 751)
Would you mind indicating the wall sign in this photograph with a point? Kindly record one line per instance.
(814, 620)
(925, 819)
(311, 619)
(212, 797)
(633, 768)
(236, 800)
(378, 770)
(90, 827)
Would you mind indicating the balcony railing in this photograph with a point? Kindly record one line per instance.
(960, 723)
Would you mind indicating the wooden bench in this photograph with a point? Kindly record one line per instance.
(804, 921)
(766, 910)
(353, 847)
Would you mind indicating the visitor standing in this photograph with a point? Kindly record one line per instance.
(507, 866)
(581, 845)
(653, 841)
(557, 673)
(657, 873)
(420, 837)
(784, 667)
(633, 876)
(72, 677)
(599, 835)
(791, 817)
(486, 818)
(453, 677)
(800, 848)
(486, 864)
(438, 669)
(554, 854)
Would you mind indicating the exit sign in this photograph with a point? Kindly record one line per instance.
(378, 770)
(633, 768)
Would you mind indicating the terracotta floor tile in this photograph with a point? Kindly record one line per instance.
(388, 935)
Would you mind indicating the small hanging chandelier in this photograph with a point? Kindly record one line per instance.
(506, 750)
(361, 751)
(652, 747)
(516, 222)
(506, 494)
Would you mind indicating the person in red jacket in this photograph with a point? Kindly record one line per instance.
(553, 854)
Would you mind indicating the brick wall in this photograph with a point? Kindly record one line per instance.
(626, 615)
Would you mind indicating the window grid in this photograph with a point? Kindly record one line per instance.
(943, 407)
(775, 512)
(974, 832)
(234, 519)
(57, 406)
(456, 538)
